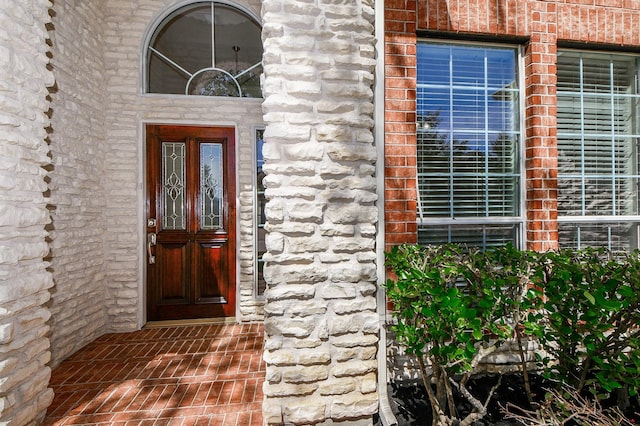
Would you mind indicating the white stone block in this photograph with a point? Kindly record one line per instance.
(304, 411)
(337, 386)
(6, 333)
(305, 374)
(353, 368)
(337, 291)
(280, 390)
(354, 405)
(287, 327)
(354, 340)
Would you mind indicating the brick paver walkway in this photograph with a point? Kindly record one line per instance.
(183, 375)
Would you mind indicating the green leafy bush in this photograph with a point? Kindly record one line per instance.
(587, 319)
(455, 305)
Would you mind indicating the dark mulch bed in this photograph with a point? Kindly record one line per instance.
(410, 403)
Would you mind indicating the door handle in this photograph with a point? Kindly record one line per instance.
(152, 240)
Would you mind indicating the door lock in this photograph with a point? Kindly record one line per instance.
(152, 240)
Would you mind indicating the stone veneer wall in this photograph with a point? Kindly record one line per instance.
(24, 279)
(77, 177)
(126, 110)
(321, 322)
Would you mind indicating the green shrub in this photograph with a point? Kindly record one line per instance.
(588, 317)
(455, 305)
(453, 308)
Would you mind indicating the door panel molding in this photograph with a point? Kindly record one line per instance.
(194, 271)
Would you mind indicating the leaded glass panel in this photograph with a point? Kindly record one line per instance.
(173, 186)
(211, 184)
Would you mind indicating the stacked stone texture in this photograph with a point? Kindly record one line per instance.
(24, 279)
(127, 110)
(124, 26)
(77, 175)
(321, 321)
(96, 150)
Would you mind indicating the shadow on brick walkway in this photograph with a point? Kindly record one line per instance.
(183, 375)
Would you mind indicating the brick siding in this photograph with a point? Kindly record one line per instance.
(400, 122)
(541, 25)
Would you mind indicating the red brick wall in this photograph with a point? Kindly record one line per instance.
(400, 121)
(543, 24)
(541, 144)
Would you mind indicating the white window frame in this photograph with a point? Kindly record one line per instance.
(520, 220)
(613, 219)
(159, 20)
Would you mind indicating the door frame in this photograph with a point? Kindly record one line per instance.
(143, 208)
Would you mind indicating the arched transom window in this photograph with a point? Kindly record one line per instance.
(206, 48)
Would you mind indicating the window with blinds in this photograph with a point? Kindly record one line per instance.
(468, 153)
(598, 150)
(261, 218)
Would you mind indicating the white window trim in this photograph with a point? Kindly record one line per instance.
(521, 220)
(614, 218)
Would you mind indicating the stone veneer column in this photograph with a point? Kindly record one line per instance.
(320, 314)
(24, 279)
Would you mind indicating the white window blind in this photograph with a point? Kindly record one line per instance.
(597, 149)
(468, 135)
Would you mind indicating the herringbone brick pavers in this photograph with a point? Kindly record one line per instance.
(183, 375)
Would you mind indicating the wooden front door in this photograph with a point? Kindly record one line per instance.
(190, 222)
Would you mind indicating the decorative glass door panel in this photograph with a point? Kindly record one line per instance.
(173, 185)
(211, 185)
(190, 222)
